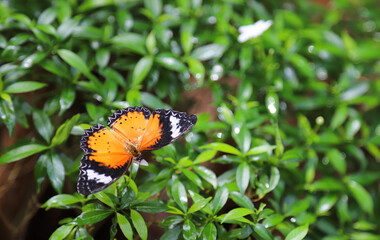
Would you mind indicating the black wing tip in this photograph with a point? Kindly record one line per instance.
(193, 119)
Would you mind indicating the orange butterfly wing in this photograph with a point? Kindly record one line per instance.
(109, 152)
(105, 160)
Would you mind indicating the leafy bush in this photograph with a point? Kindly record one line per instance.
(293, 152)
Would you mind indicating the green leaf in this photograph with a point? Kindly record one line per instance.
(64, 130)
(339, 117)
(199, 205)
(60, 201)
(260, 149)
(242, 200)
(125, 226)
(7, 113)
(205, 156)
(220, 199)
(141, 70)
(242, 176)
(154, 206)
(139, 224)
(152, 101)
(43, 124)
(273, 220)
(207, 175)
(62, 232)
(40, 170)
(223, 147)
(104, 198)
(102, 57)
(186, 38)
(151, 42)
(337, 160)
(92, 216)
(24, 86)
(55, 171)
(298, 233)
(298, 206)
(170, 62)
(326, 203)
(362, 197)
(301, 64)
(193, 177)
(130, 41)
(189, 231)
(154, 7)
(47, 16)
(179, 194)
(197, 70)
(66, 99)
(237, 213)
(262, 232)
(352, 127)
(209, 232)
(207, 52)
(34, 58)
(74, 60)
(21, 152)
(328, 184)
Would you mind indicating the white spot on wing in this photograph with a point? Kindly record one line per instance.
(92, 175)
(176, 130)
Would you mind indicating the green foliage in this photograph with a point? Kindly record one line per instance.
(294, 151)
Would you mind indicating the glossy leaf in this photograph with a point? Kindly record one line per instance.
(223, 147)
(242, 176)
(24, 86)
(64, 130)
(220, 199)
(141, 70)
(362, 197)
(21, 152)
(179, 194)
(298, 233)
(61, 201)
(189, 230)
(125, 226)
(7, 113)
(337, 160)
(91, 217)
(207, 175)
(209, 232)
(139, 224)
(199, 205)
(74, 60)
(61, 232)
(237, 213)
(208, 52)
(43, 124)
(262, 232)
(55, 171)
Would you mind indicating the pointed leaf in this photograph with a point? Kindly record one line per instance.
(125, 226)
(21, 152)
(179, 194)
(298, 233)
(139, 224)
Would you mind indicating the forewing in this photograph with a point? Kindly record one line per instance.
(130, 123)
(104, 162)
(165, 127)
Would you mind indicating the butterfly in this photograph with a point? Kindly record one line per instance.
(109, 150)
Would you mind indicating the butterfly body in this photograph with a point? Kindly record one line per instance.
(110, 150)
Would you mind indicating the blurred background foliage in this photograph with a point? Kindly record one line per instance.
(287, 141)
